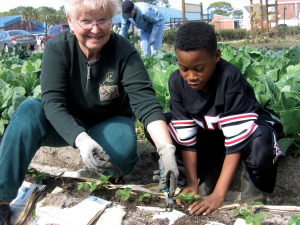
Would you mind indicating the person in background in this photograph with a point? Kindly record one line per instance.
(91, 79)
(149, 20)
(215, 119)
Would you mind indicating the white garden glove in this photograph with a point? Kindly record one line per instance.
(168, 171)
(152, 39)
(93, 155)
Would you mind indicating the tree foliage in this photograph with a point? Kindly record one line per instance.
(28, 14)
(39, 14)
(43, 11)
(238, 14)
(222, 8)
(154, 2)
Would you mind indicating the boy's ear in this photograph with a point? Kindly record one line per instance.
(217, 55)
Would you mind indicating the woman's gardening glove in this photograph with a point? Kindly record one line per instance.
(168, 172)
(152, 39)
(92, 153)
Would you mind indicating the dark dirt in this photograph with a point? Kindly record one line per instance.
(68, 159)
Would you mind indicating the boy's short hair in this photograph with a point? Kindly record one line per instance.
(196, 35)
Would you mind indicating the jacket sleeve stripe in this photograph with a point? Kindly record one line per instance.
(186, 137)
(236, 129)
(183, 123)
(242, 117)
(240, 138)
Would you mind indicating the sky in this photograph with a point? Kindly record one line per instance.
(56, 4)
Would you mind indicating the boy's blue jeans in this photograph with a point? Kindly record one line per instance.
(29, 129)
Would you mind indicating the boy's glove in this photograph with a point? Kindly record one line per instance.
(152, 39)
(92, 153)
(168, 172)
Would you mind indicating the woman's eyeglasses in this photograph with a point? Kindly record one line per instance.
(88, 25)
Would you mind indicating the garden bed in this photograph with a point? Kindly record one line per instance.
(286, 191)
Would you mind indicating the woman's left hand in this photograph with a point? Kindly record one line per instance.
(206, 204)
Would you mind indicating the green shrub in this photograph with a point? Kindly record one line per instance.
(231, 34)
(169, 36)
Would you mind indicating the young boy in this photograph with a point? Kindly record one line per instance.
(214, 114)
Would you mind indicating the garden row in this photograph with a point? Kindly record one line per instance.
(273, 75)
(236, 34)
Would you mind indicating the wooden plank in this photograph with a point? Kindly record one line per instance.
(271, 13)
(255, 5)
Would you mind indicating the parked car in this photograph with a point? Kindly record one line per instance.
(287, 22)
(52, 32)
(11, 37)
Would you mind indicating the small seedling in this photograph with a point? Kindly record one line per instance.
(294, 220)
(143, 196)
(93, 185)
(32, 213)
(187, 199)
(38, 176)
(124, 193)
(255, 220)
(148, 215)
(59, 176)
(248, 214)
(107, 193)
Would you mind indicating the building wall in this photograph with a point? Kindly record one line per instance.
(20, 25)
(223, 22)
(292, 10)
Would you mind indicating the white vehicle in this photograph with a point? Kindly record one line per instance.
(290, 22)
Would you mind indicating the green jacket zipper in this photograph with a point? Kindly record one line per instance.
(88, 76)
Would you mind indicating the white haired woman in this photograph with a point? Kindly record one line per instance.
(90, 79)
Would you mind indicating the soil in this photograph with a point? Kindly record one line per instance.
(286, 192)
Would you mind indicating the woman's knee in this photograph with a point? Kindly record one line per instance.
(117, 137)
(31, 107)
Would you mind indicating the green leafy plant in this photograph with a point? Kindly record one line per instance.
(148, 215)
(124, 193)
(188, 198)
(255, 219)
(33, 214)
(93, 184)
(294, 220)
(60, 177)
(107, 193)
(38, 176)
(142, 196)
(248, 214)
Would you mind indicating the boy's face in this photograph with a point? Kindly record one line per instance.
(197, 67)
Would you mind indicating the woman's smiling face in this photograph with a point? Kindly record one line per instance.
(91, 41)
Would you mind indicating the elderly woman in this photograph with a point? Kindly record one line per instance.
(90, 79)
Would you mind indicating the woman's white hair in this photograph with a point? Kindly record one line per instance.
(74, 8)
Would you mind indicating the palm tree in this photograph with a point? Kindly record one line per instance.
(29, 14)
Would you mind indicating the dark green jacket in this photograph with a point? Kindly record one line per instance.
(118, 80)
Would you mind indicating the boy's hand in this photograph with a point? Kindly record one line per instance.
(206, 204)
(192, 188)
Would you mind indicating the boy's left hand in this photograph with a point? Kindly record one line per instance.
(206, 204)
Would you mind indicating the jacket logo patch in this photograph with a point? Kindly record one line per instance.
(109, 77)
(108, 92)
